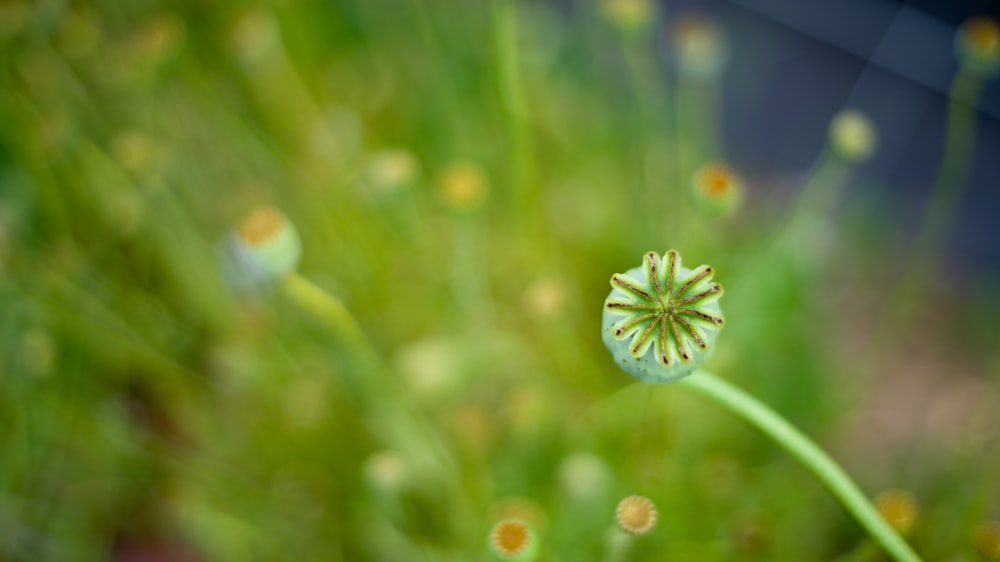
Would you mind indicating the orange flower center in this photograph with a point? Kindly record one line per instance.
(511, 536)
(261, 226)
(984, 33)
(716, 181)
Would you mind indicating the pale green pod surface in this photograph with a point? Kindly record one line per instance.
(263, 250)
(661, 319)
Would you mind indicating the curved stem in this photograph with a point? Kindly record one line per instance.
(310, 297)
(808, 453)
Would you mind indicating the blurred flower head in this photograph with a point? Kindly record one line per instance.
(463, 187)
(513, 539)
(699, 45)
(636, 515)
(390, 170)
(254, 36)
(387, 471)
(262, 250)
(716, 189)
(160, 39)
(584, 476)
(899, 509)
(545, 298)
(986, 541)
(431, 367)
(853, 137)
(977, 46)
(629, 16)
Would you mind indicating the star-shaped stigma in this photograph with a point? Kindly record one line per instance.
(669, 309)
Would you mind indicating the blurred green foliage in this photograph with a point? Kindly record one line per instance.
(465, 178)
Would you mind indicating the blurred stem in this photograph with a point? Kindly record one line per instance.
(466, 280)
(512, 99)
(697, 127)
(805, 451)
(943, 204)
(646, 206)
(617, 545)
(395, 418)
(309, 296)
(867, 551)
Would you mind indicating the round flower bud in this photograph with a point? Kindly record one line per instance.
(390, 170)
(899, 509)
(629, 16)
(254, 36)
(264, 249)
(463, 187)
(986, 541)
(387, 472)
(661, 319)
(977, 46)
(853, 136)
(513, 539)
(636, 515)
(700, 47)
(715, 189)
(584, 476)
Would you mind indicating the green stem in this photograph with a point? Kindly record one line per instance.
(617, 545)
(808, 453)
(515, 109)
(306, 294)
(943, 206)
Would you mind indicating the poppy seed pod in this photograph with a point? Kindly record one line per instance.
(716, 189)
(661, 319)
(853, 137)
(977, 46)
(700, 47)
(629, 16)
(513, 539)
(636, 515)
(264, 249)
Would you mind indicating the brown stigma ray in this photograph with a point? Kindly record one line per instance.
(681, 350)
(697, 313)
(704, 294)
(651, 259)
(671, 270)
(639, 344)
(664, 356)
(698, 276)
(631, 306)
(624, 284)
(623, 329)
(698, 340)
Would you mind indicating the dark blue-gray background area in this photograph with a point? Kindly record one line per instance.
(795, 63)
(894, 61)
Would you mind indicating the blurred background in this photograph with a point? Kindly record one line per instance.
(464, 178)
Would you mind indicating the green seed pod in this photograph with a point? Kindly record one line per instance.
(699, 46)
(629, 16)
(513, 539)
(636, 515)
(264, 249)
(853, 137)
(661, 319)
(977, 46)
